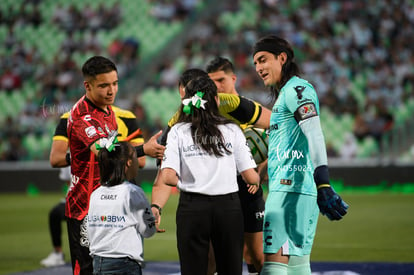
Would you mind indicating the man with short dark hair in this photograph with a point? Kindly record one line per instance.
(91, 119)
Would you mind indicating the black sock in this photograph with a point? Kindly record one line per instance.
(251, 268)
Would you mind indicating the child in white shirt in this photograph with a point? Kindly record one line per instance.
(119, 213)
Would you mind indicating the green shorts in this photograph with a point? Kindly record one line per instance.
(289, 223)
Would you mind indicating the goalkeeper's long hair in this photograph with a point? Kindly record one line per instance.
(112, 164)
(204, 122)
(277, 45)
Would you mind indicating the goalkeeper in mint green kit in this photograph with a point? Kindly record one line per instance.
(297, 163)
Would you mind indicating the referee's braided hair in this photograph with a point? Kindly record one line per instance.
(204, 122)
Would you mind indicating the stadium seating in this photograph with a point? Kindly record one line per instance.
(156, 38)
(160, 104)
(47, 38)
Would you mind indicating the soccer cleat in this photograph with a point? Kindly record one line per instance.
(54, 259)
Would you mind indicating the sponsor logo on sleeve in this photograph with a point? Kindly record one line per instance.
(306, 111)
(90, 131)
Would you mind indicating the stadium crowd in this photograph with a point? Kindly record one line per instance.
(339, 43)
(358, 55)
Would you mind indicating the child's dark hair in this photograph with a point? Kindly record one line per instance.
(190, 74)
(112, 163)
(204, 122)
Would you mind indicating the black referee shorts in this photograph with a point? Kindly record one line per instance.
(253, 206)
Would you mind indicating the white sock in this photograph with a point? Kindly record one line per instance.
(274, 268)
(299, 265)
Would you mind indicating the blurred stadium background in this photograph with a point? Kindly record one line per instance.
(358, 55)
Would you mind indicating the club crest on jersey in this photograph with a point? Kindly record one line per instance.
(87, 118)
(299, 90)
(90, 131)
(306, 111)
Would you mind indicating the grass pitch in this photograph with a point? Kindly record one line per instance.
(378, 228)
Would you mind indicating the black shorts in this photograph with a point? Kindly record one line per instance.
(79, 247)
(252, 206)
(203, 218)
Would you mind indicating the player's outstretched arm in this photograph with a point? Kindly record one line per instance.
(152, 148)
(141, 160)
(264, 119)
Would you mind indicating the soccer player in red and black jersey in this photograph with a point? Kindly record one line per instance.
(91, 119)
(60, 157)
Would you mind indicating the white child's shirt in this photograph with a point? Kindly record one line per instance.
(118, 217)
(200, 172)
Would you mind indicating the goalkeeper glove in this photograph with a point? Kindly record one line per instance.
(330, 203)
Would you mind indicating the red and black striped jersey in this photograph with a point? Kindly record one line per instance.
(126, 121)
(86, 124)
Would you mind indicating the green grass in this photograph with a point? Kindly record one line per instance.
(378, 228)
(162, 246)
